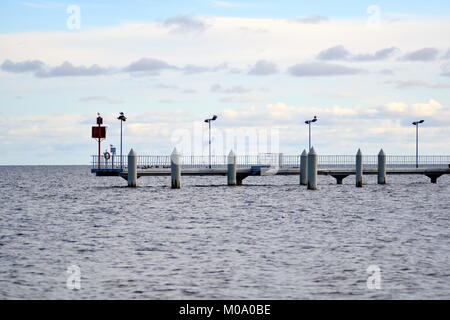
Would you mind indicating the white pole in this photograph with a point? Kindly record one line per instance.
(381, 167)
(175, 166)
(359, 169)
(312, 169)
(304, 168)
(132, 168)
(231, 172)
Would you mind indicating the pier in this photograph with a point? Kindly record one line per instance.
(236, 168)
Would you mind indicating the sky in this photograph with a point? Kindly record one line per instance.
(366, 69)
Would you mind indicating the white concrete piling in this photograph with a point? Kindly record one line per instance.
(231, 169)
(359, 169)
(304, 168)
(381, 167)
(312, 169)
(175, 169)
(132, 168)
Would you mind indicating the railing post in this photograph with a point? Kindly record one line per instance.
(312, 170)
(175, 168)
(132, 168)
(231, 170)
(381, 167)
(359, 169)
(304, 168)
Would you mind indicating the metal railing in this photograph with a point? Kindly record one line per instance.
(282, 161)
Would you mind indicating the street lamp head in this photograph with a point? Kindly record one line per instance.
(421, 121)
(417, 122)
(122, 117)
(312, 120)
(212, 119)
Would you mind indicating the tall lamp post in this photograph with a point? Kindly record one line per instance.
(308, 122)
(416, 123)
(122, 119)
(209, 125)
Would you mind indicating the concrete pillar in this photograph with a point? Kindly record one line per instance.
(312, 169)
(175, 168)
(381, 167)
(359, 169)
(132, 168)
(231, 172)
(304, 168)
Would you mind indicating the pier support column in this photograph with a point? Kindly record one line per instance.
(359, 169)
(304, 168)
(381, 167)
(312, 169)
(339, 178)
(175, 169)
(231, 172)
(132, 168)
(433, 177)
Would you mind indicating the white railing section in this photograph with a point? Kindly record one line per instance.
(280, 160)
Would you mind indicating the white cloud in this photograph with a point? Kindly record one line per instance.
(263, 68)
(424, 54)
(185, 24)
(319, 69)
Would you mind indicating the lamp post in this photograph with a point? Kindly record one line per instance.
(308, 122)
(416, 123)
(209, 125)
(122, 119)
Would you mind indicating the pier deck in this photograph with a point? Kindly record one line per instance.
(338, 174)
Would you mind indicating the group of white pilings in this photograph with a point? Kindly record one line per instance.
(308, 169)
(175, 169)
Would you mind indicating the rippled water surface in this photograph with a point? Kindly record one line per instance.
(267, 239)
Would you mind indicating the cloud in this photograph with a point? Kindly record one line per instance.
(432, 108)
(447, 54)
(263, 68)
(100, 98)
(192, 69)
(400, 84)
(387, 72)
(166, 86)
(235, 89)
(313, 19)
(150, 65)
(41, 70)
(445, 68)
(24, 66)
(66, 69)
(185, 24)
(339, 52)
(378, 55)
(334, 53)
(319, 69)
(424, 54)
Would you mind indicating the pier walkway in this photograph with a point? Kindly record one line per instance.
(337, 166)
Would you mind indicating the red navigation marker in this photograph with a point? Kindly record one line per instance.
(99, 132)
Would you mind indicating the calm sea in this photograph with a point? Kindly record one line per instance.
(267, 239)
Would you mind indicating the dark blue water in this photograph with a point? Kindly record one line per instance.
(267, 239)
